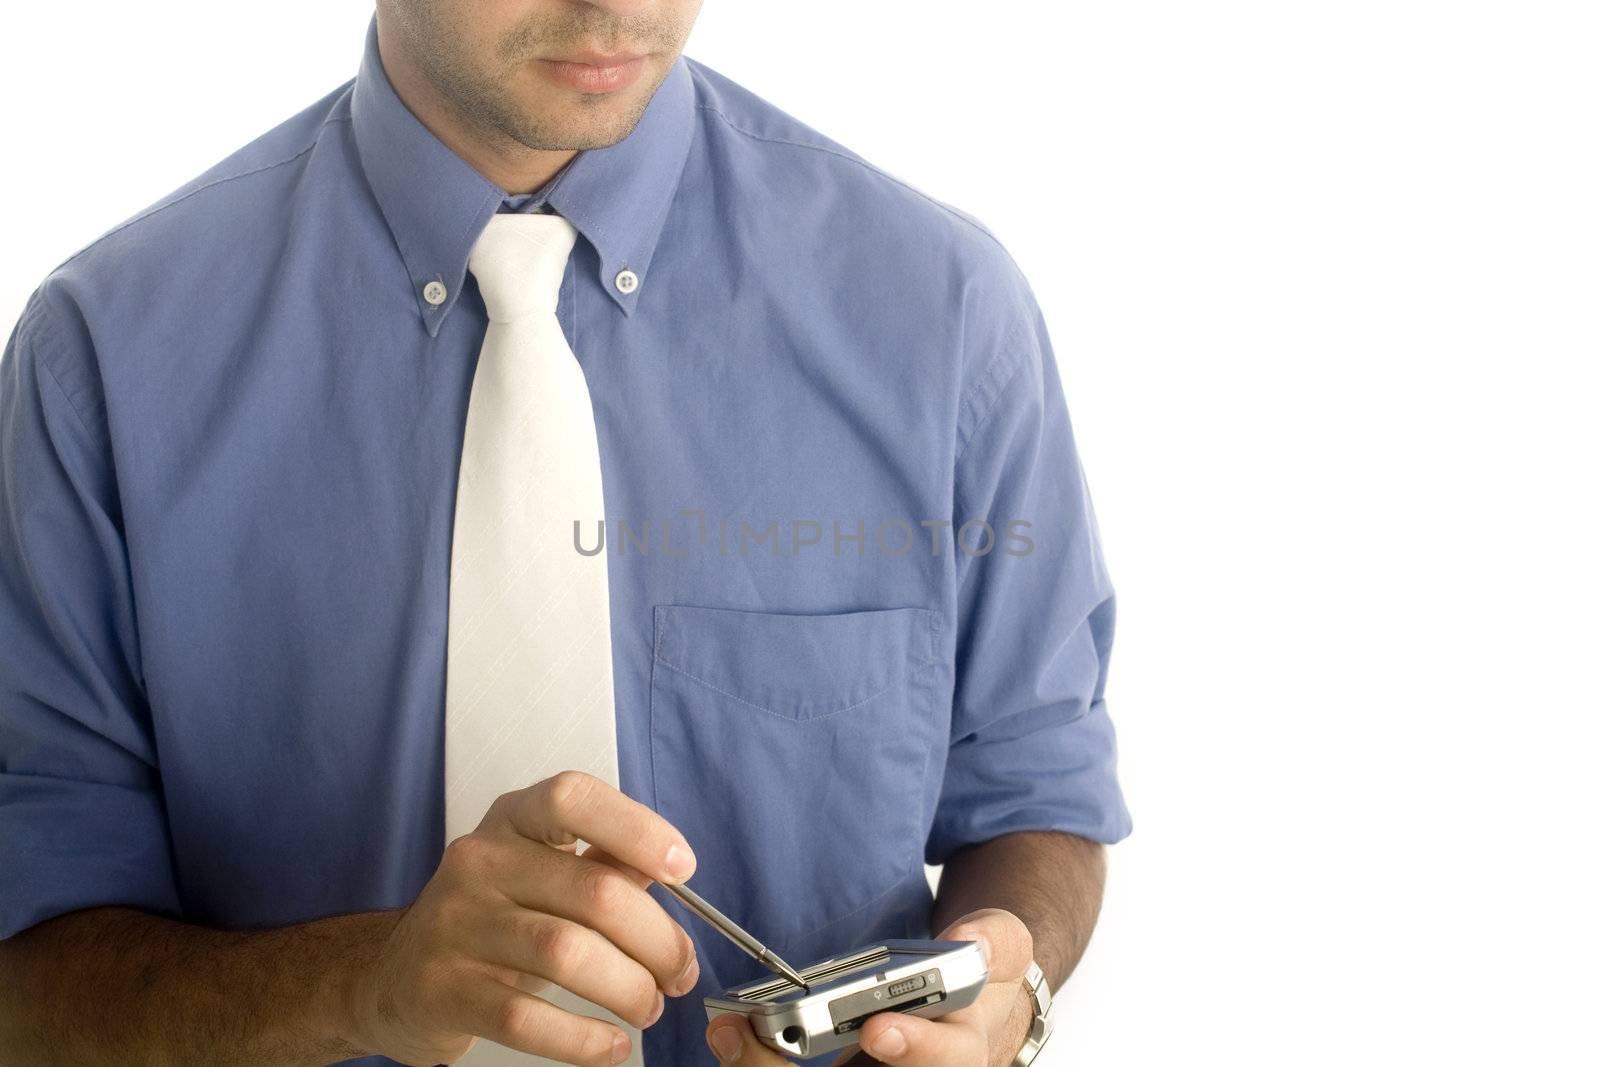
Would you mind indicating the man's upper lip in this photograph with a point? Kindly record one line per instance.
(597, 59)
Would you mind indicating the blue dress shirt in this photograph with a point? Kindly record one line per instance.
(860, 613)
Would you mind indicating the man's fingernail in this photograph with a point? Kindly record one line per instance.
(619, 1049)
(973, 935)
(685, 981)
(679, 862)
(727, 1044)
(889, 1042)
(661, 1005)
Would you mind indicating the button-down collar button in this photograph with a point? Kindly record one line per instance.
(434, 293)
(627, 281)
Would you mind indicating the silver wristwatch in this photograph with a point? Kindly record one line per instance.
(1044, 1019)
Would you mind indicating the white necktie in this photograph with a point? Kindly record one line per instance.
(528, 677)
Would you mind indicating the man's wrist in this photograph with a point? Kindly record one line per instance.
(1014, 1034)
(344, 1014)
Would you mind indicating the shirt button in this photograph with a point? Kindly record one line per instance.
(434, 293)
(627, 281)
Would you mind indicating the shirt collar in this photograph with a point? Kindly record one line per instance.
(436, 204)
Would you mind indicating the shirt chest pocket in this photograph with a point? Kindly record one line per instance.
(792, 752)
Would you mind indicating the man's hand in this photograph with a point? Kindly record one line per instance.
(512, 908)
(987, 1033)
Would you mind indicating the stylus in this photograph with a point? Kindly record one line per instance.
(733, 932)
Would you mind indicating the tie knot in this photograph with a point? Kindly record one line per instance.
(519, 260)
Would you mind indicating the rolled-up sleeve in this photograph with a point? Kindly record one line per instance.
(1031, 744)
(81, 818)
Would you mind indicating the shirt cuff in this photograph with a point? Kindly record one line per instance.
(1062, 777)
(66, 845)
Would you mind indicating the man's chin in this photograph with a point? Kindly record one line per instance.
(593, 129)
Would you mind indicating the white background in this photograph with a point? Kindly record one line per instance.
(1323, 282)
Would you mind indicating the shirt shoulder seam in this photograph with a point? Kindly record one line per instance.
(997, 364)
(225, 179)
(44, 342)
(858, 161)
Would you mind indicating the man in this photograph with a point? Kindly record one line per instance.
(268, 451)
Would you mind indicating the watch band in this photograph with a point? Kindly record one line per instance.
(1044, 1020)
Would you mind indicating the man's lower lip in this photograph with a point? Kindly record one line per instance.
(589, 78)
